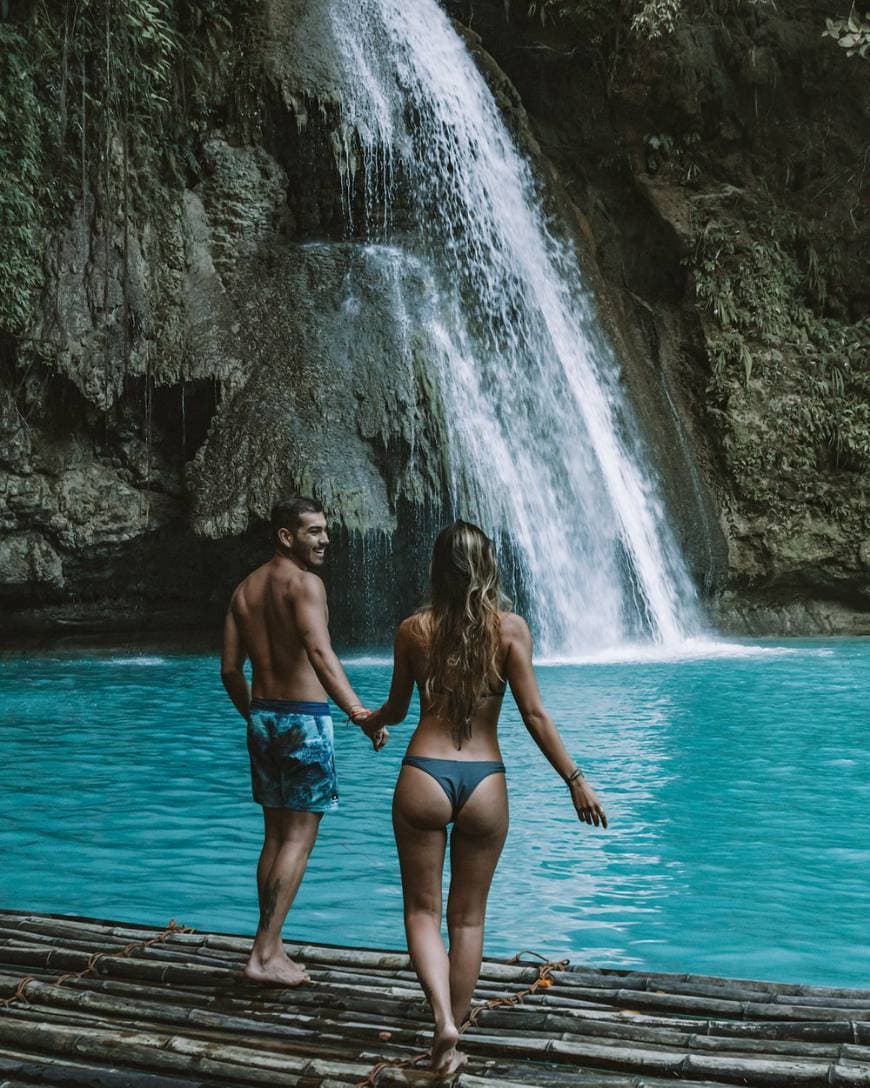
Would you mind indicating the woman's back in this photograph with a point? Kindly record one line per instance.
(436, 734)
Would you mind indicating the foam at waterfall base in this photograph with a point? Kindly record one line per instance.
(142, 661)
(690, 649)
(375, 660)
(641, 653)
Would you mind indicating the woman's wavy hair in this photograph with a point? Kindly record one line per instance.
(462, 618)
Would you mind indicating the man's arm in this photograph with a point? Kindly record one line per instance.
(309, 613)
(232, 659)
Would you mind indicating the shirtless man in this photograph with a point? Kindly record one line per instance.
(277, 617)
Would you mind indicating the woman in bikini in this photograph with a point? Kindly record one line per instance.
(462, 650)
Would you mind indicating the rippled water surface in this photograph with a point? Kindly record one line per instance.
(738, 788)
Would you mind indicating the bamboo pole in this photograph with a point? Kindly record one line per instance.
(502, 971)
(299, 1026)
(51, 1071)
(181, 1007)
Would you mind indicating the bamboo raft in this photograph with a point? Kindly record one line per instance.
(104, 1005)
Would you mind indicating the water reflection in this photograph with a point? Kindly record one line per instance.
(597, 889)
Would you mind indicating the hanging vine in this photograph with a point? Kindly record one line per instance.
(101, 101)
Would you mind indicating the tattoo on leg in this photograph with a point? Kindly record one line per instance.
(268, 904)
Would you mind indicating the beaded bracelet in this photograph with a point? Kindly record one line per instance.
(577, 773)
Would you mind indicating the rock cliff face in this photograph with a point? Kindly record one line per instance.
(189, 362)
(186, 368)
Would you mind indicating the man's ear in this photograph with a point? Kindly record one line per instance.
(285, 538)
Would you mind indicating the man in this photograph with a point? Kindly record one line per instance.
(277, 617)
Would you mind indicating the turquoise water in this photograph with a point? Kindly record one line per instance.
(738, 788)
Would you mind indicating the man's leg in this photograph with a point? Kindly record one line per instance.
(289, 840)
(273, 832)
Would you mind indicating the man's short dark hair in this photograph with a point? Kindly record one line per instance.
(287, 514)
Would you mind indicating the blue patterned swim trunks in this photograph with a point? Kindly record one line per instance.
(292, 755)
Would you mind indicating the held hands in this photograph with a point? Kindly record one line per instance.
(369, 722)
(586, 803)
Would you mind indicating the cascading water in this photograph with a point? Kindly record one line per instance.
(542, 450)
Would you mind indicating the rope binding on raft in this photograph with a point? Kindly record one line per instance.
(542, 982)
(90, 968)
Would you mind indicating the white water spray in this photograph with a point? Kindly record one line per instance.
(542, 449)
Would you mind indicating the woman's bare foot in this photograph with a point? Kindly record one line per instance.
(446, 1059)
(278, 970)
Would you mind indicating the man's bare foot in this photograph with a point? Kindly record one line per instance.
(278, 970)
(446, 1059)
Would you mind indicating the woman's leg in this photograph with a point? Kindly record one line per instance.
(420, 815)
(475, 847)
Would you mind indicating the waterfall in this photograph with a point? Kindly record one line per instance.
(542, 449)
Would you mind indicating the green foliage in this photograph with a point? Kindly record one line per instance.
(101, 101)
(646, 19)
(641, 15)
(851, 33)
(595, 12)
(675, 155)
(656, 18)
(749, 285)
(22, 165)
(762, 283)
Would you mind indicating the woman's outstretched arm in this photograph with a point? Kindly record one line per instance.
(524, 686)
(395, 708)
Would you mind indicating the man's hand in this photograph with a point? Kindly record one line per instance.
(368, 721)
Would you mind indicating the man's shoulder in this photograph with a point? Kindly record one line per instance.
(258, 574)
(304, 585)
(238, 595)
(248, 583)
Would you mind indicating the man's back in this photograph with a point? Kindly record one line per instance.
(263, 607)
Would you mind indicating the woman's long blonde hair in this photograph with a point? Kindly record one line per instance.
(462, 624)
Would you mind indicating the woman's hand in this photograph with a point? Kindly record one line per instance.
(371, 724)
(586, 803)
(378, 735)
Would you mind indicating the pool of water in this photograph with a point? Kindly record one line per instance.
(737, 782)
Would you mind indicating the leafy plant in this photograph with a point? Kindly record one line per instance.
(22, 164)
(656, 18)
(102, 100)
(753, 279)
(851, 33)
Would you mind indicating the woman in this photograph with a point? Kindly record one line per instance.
(461, 650)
